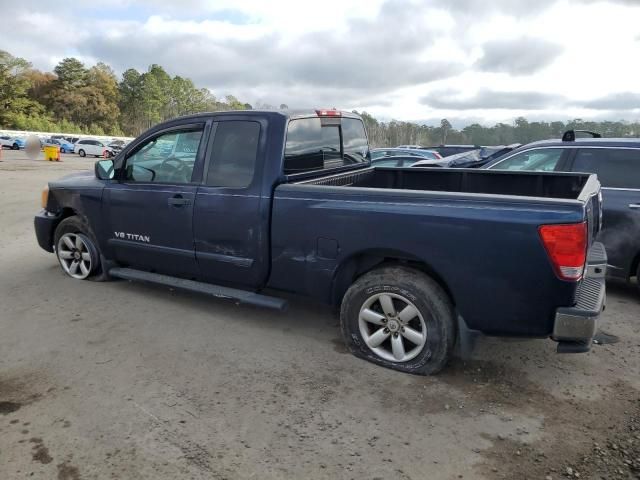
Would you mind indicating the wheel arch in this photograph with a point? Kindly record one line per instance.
(64, 213)
(356, 265)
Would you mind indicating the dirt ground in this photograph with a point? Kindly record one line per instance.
(128, 381)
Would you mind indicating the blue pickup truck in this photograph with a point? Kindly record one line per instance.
(242, 205)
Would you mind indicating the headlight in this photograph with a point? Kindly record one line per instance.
(45, 197)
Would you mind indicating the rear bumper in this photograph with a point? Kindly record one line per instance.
(45, 224)
(574, 327)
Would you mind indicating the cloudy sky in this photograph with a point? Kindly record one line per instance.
(466, 60)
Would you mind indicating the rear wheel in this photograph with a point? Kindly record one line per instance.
(82, 153)
(399, 318)
(638, 278)
(15, 146)
(62, 150)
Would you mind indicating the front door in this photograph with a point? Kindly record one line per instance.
(150, 207)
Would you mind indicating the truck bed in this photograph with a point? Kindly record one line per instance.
(476, 232)
(490, 182)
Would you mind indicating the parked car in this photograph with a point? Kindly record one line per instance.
(447, 150)
(470, 159)
(616, 161)
(97, 148)
(396, 161)
(14, 143)
(410, 147)
(117, 145)
(65, 146)
(413, 152)
(414, 258)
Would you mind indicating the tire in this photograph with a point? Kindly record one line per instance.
(62, 150)
(638, 278)
(83, 242)
(15, 146)
(82, 153)
(434, 320)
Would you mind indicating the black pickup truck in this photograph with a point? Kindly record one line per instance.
(240, 204)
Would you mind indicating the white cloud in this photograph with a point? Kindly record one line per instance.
(466, 59)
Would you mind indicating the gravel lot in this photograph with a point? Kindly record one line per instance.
(122, 380)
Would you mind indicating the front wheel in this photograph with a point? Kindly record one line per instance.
(82, 153)
(15, 146)
(399, 318)
(77, 249)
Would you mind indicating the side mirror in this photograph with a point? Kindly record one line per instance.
(104, 169)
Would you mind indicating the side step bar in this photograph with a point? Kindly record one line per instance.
(240, 296)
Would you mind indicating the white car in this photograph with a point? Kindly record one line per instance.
(13, 143)
(88, 146)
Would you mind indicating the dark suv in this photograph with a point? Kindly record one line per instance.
(617, 163)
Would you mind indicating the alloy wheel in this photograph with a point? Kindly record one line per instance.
(392, 327)
(74, 255)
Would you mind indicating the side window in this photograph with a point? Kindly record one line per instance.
(539, 160)
(615, 167)
(167, 158)
(234, 153)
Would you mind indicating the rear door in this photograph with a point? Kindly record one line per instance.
(150, 207)
(232, 209)
(618, 170)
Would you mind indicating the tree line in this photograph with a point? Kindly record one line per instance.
(522, 131)
(75, 98)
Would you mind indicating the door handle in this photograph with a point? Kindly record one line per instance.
(178, 201)
(634, 206)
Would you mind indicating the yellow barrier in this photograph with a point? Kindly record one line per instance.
(52, 153)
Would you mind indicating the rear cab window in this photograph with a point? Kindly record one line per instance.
(324, 143)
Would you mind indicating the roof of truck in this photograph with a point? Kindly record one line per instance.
(287, 113)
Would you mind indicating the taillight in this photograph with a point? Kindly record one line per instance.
(329, 113)
(566, 246)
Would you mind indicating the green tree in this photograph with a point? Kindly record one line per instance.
(130, 101)
(15, 104)
(66, 99)
(445, 128)
(101, 93)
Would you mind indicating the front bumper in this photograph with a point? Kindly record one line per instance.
(575, 327)
(45, 224)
